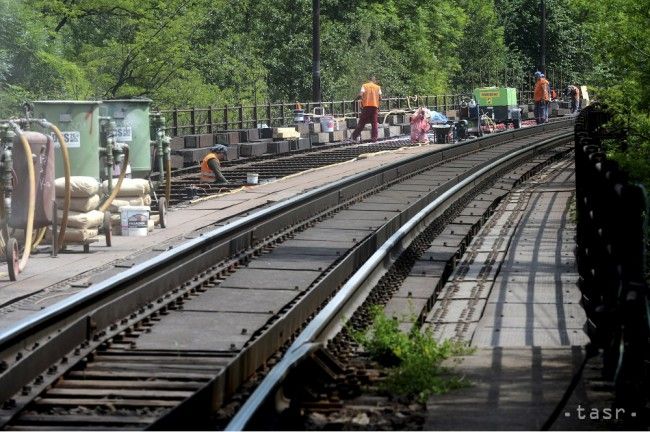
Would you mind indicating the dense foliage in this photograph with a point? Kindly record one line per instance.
(199, 52)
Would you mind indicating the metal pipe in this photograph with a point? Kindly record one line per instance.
(543, 38)
(315, 47)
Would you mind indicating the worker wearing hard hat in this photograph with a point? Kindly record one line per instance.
(541, 97)
(210, 166)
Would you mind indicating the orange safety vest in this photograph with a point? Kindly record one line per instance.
(541, 90)
(370, 95)
(206, 173)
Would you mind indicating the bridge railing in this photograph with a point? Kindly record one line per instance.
(198, 120)
(611, 222)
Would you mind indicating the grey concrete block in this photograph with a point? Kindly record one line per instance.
(226, 138)
(253, 148)
(336, 136)
(265, 133)
(300, 144)
(319, 138)
(314, 128)
(277, 147)
(352, 122)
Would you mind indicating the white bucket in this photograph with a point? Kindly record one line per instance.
(134, 220)
(327, 124)
(298, 116)
(252, 178)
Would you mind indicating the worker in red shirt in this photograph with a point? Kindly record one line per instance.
(210, 166)
(370, 96)
(542, 98)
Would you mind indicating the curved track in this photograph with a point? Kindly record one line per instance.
(180, 333)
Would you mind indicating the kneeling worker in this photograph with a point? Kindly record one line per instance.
(210, 166)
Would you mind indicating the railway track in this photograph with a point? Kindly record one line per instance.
(186, 185)
(182, 332)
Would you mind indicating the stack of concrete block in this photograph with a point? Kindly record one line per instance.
(226, 138)
(314, 128)
(303, 129)
(351, 122)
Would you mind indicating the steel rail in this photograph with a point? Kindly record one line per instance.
(323, 326)
(57, 330)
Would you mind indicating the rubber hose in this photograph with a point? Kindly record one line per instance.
(102, 208)
(66, 175)
(40, 235)
(31, 206)
(168, 179)
(399, 111)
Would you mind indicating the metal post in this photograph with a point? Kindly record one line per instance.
(210, 119)
(193, 120)
(315, 45)
(543, 39)
(225, 117)
(175, 122)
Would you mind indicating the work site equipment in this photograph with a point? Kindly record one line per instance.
(499, 104)
(27, 188)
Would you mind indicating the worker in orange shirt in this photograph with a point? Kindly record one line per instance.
(210, 166)
(542, 98)
(370, 95)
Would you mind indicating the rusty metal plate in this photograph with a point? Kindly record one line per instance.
(297, 280)
(453, 311)
(459, 290)
(423, 268)
(286, 261)
(543, 337)
(202, 331)
(220, 299)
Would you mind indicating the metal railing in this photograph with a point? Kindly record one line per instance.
(211, 119)
(192, 121)
(611, 220)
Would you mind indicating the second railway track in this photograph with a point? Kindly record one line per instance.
(183, 331)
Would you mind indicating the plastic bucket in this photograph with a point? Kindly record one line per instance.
(298, 116)
(134, 220)
(252, 178)
(327, 124)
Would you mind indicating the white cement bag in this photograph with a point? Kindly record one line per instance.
(129, 201)
(81, 204)
(91, 219)
(80, 187)
(130, 187)
(75, 235)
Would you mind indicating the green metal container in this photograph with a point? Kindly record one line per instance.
(131, 117)
(79, 123)
(496, 96)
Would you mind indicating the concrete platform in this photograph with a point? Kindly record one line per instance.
(47, 280)
(528, 331)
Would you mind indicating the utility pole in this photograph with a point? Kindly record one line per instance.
(315, 46)
(543, 38)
